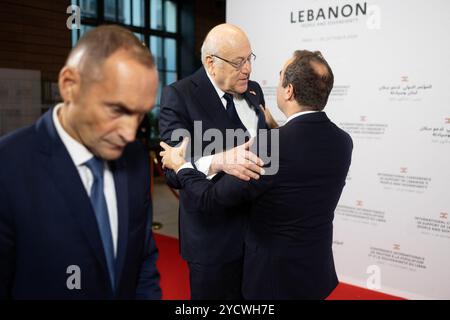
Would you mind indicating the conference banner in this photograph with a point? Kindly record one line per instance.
(392, 95)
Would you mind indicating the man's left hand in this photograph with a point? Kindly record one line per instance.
(269, 118)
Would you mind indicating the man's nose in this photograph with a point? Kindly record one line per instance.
(247, 67)
(128, 129)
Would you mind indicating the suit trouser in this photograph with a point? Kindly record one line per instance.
(216, 281)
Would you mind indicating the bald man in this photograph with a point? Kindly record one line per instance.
(218, 96)
(75, 207)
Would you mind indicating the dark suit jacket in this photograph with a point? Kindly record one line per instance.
(214, 236)
(289, 239)
(47, 222)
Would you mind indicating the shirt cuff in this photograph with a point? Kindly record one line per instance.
(186, 165)
(203, 164)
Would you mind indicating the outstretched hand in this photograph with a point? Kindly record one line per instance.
(173, 157)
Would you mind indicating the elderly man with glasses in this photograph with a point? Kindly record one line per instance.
(219, 96)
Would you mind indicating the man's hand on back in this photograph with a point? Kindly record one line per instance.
(239, 162)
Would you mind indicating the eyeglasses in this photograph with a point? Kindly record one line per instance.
(239, 64)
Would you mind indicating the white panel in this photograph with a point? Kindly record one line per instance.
(392, 94)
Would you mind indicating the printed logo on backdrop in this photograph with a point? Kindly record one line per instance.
(359, 213)
(270, 92)
(437, 225)
(337, 14)
(338, 243)
(395, 257)
(438, 133)
(364, 128)
(401, 181)
(339, 92)
(405, 90)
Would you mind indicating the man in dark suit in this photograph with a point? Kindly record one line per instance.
(220, 97)
(289, 239)
(75, 207)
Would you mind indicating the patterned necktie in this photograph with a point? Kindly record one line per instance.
(101, 214)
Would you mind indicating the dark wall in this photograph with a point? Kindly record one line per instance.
(33, 35)
(197, 18)
(208, 13)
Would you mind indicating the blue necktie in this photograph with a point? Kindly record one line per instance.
(101, 214)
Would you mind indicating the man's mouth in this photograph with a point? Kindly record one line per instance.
(117, 146)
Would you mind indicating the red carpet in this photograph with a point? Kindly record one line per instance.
(174, 271)
(175, 277)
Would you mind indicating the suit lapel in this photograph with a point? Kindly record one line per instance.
(121, 186)
(207, 97)
(65, 176)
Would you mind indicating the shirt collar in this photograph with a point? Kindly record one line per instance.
(78, 152)
(297, 114)
(219, 91)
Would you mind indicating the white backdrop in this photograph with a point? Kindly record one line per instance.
(391, 61)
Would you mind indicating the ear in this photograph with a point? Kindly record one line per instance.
(69, 83)
(209, 64)
(289, 92)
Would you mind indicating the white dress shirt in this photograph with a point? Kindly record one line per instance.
(248, 117)
(80, 154)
